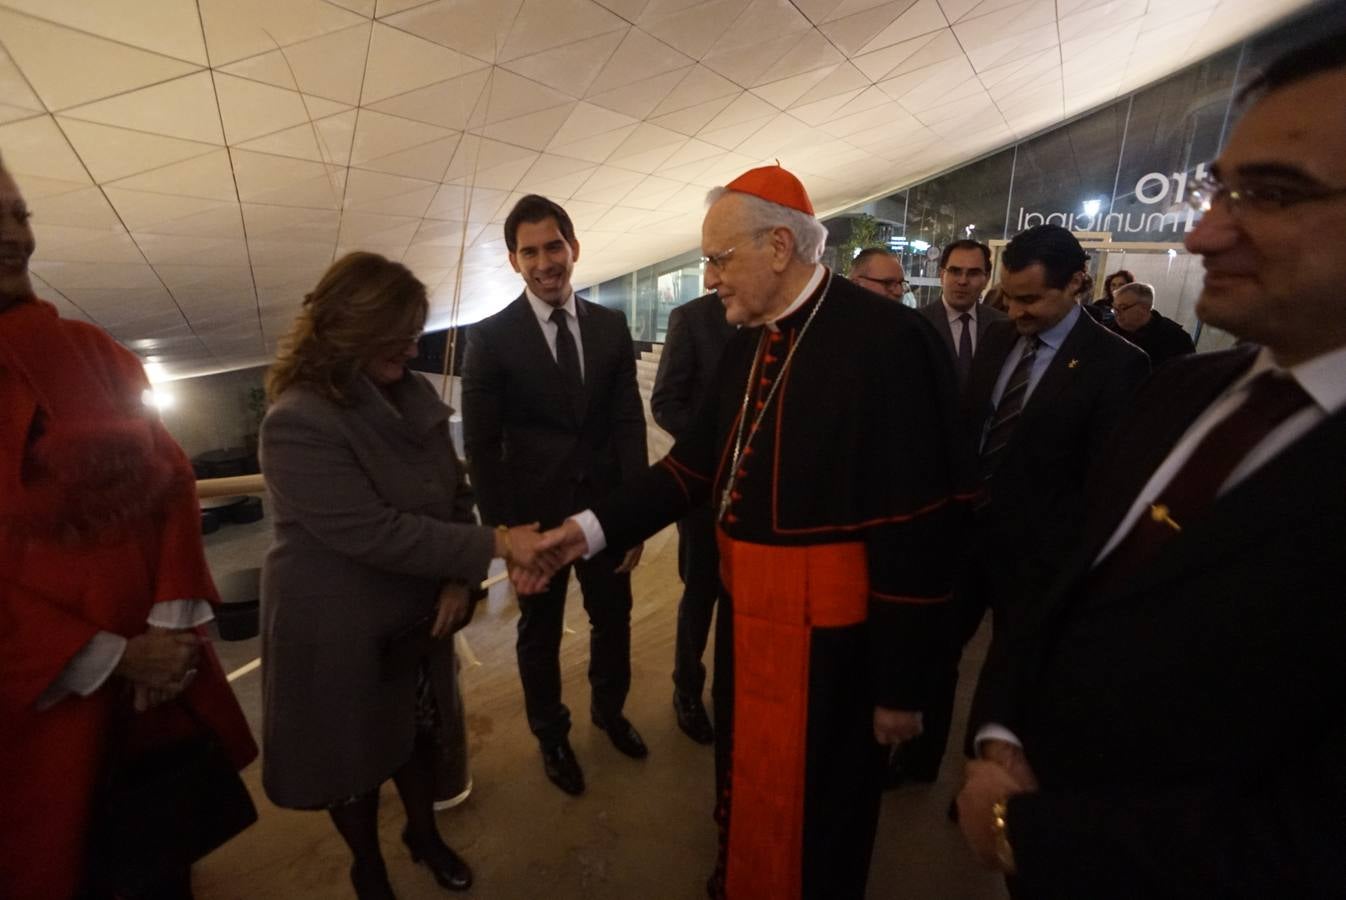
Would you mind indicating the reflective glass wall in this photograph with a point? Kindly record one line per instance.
(1124, 169)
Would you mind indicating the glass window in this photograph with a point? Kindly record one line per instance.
(1065, 177)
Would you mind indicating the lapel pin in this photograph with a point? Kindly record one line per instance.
(1073, 364)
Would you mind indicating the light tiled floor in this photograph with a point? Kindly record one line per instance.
(642, 831)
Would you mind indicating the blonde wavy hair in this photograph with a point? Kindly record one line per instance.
(364, 307)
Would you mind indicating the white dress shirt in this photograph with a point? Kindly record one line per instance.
(1323, 378)
(543, 311)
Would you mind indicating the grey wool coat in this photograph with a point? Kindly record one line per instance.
(372, 514)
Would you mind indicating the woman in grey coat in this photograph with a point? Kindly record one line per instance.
(376, 553)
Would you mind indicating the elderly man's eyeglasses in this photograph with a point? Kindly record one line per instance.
(1269, 198)
(891, 285)
(721, 259)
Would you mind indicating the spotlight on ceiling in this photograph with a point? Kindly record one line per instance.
(157, 398)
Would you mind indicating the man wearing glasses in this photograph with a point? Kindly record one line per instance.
(959, 316)
(1171, 725)
(1136, 319)
(879, 270)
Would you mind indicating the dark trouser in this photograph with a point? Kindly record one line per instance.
(922, 756)
(699, 567)
(844, 767)
(1014, 583)
(175, 886)
(607, 600)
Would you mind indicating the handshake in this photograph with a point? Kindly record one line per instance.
(535, 556)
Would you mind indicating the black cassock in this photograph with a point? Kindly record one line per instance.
(837, 535)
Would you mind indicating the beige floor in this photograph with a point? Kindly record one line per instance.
(642, 831)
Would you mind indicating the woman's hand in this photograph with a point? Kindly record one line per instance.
(455, 608)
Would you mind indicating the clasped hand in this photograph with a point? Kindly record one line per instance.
(160, 664)
(1002, 772)
(534, 556)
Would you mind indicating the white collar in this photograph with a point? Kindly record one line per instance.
(543, 310)
(814, 280)
(1323, 378)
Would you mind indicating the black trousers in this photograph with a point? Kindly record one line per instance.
(699, 568)
(607, 600)
(921, 757)
(843, 767)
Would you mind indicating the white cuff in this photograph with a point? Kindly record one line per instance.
(176, 615)
(993, 732)
(87, 670)
(593, 532)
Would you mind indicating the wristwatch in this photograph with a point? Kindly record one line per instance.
(1004, 853)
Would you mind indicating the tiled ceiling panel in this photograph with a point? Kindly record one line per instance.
(194, 165)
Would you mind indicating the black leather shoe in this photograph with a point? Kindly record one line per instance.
(563, 768)
(448, 867)
(692, 718)
(623, 736)
(371, 882)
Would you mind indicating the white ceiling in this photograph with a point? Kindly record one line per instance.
(194, 165)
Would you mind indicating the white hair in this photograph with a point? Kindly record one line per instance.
(762, 215)
(1143, 290)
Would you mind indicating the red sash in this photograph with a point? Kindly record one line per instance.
(779, 595)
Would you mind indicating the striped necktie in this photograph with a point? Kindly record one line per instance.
(1011, 407)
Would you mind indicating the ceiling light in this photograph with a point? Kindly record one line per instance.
(159, 399)
(155, 371)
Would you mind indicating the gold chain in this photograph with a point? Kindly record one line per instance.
(739, 444)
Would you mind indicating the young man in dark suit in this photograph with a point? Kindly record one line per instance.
(1043, 399)
(962, 321)
(697, 335)
(964, 269)
(1170, 724)
(552, 421)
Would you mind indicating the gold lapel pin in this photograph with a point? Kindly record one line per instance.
(1160, 513)
(1073, 364)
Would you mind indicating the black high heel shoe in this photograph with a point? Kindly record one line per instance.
(449, 869)
(371, 882)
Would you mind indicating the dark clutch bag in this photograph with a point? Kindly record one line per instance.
(406, 648)
(162, 811)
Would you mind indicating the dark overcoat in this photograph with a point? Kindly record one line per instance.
(372, 514)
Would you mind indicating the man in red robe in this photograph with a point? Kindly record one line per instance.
(103, 581)
(827, 448)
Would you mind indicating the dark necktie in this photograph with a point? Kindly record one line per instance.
(1010, 408)
(568, 359)
(1272, 398)
(965, 348)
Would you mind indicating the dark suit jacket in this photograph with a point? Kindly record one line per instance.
(938, 315)
(531, 457)
(697, 335)
(1036, 494)
(1188, 726)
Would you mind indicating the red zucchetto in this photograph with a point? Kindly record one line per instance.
(773, 184)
